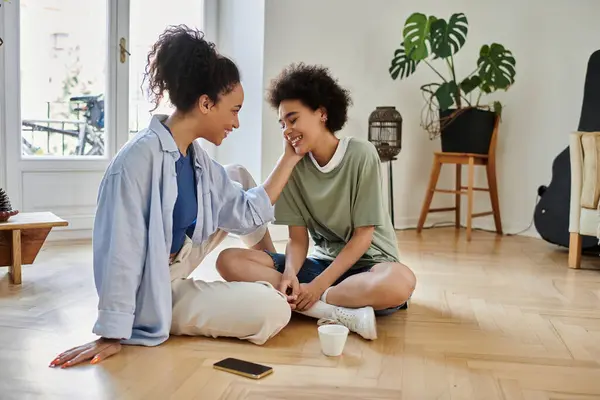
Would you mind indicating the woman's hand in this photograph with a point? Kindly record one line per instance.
(310, 293)
(289, 282)
(289, 150)
(98, 350)
(277, 180)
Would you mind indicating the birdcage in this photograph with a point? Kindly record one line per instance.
(385, 132)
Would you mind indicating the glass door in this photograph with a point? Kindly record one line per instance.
(60, 78)
(73, 94)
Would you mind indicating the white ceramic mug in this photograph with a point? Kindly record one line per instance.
(333, 339)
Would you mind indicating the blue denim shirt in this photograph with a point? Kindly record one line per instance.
(133, 231)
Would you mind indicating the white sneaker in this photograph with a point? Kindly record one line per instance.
(357, 320)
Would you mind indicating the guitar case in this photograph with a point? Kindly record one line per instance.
(551, 216)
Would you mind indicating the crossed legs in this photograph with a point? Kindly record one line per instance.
(385, 287)
(225, 309)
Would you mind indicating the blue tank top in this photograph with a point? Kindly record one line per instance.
(186, 205)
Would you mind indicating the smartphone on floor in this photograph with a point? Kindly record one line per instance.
(243, 368)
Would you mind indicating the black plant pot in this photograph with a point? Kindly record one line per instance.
(468, 132)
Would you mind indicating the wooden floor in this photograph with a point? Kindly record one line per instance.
(498, 318)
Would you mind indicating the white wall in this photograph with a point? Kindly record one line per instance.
(356, 39)
(241, 37)
(2, 105)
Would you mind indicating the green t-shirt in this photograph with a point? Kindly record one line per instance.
(332, 204)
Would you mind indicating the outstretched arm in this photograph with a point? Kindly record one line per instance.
(243, 211)
(296, 249)
(276, 181)
(120, 244)
(295, 254)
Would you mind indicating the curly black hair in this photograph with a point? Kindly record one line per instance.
(186, 66)
(314, 87)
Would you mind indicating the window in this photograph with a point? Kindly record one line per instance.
(63, 77)
(64, 70)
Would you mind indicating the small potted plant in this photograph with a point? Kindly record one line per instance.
(6, 210)
(454, 108)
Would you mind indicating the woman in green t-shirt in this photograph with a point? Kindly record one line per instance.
(334, 194)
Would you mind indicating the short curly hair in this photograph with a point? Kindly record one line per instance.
(314, 87)
(186, 66)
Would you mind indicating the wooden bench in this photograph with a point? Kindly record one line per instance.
(21, 239)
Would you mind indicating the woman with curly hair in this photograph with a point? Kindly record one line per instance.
(334, 193)
(164, 204)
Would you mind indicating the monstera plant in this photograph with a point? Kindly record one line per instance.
(454, 107)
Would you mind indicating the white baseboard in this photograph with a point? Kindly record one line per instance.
(279, 233)
(487, 224)
(64, 235)
(79, 228)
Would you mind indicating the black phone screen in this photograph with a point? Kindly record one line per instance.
(242, 366)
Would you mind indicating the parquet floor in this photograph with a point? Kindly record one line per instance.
(497, 318)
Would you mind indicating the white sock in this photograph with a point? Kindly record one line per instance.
(319, 310)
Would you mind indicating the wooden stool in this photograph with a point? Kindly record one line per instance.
(460, 159)
(21, 239)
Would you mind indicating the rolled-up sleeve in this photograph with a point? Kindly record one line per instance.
(120, 244)
(239, 211)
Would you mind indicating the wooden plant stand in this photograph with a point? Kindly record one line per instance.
(471, 160)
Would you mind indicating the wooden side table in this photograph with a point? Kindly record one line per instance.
(21, 239)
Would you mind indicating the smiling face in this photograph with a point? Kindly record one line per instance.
(221, 118)
(301, 126)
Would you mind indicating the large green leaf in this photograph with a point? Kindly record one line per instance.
(470, 84)
(496, 67)
(416, 34)
(402, 65)
(449, 37)
(445, 95)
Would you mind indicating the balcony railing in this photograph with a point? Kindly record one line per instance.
(82, 133)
